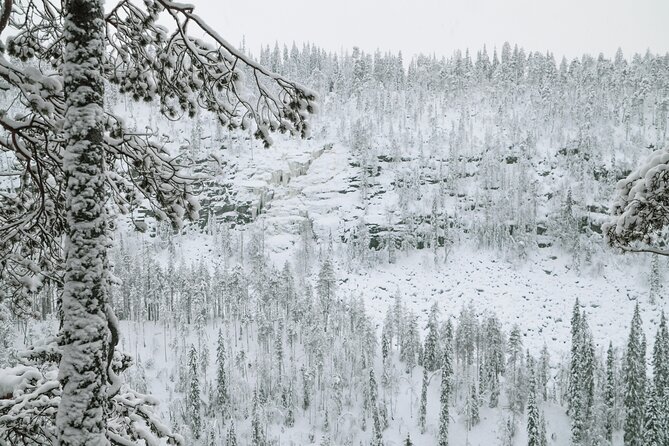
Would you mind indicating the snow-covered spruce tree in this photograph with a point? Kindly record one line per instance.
(325, 440)
(494, 361)
(278, 348)
(482, 376)
(431, 351)
(655, 431)
(74, 158)
(465, 337)
(610, 394)
(582, 416)
(473, 416)
(410, 342)
(221, 399)
(288, 403)
(385, 345)
(377, 430)
(444, 397)
(257, 434)
(635, 383)
(494, 392)
(307, 384)
(193, 401)
(422, 411)
(388, 332)
(660, 403)
(326, 287)
(580, 393)
(231, 436)
(661, 359)
(533, 421)
(543, 369)
(398, 319)
(447, 367)
(515, 381)
(446, 334)
(575, 360)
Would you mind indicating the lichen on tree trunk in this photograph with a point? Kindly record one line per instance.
(85, 337)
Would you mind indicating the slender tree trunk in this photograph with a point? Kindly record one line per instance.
(85, 332)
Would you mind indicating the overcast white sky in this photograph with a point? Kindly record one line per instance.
(566, 27)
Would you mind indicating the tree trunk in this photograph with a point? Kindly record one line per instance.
(85, 336)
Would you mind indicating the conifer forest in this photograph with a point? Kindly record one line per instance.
(205, 243)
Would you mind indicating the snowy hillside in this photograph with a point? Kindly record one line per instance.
(447, 202)
(412, 269)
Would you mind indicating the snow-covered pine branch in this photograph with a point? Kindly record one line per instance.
(30, 393)
(641, 208)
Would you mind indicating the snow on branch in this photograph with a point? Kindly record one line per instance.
(187, 73)
(30, 393)
(641, 208)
